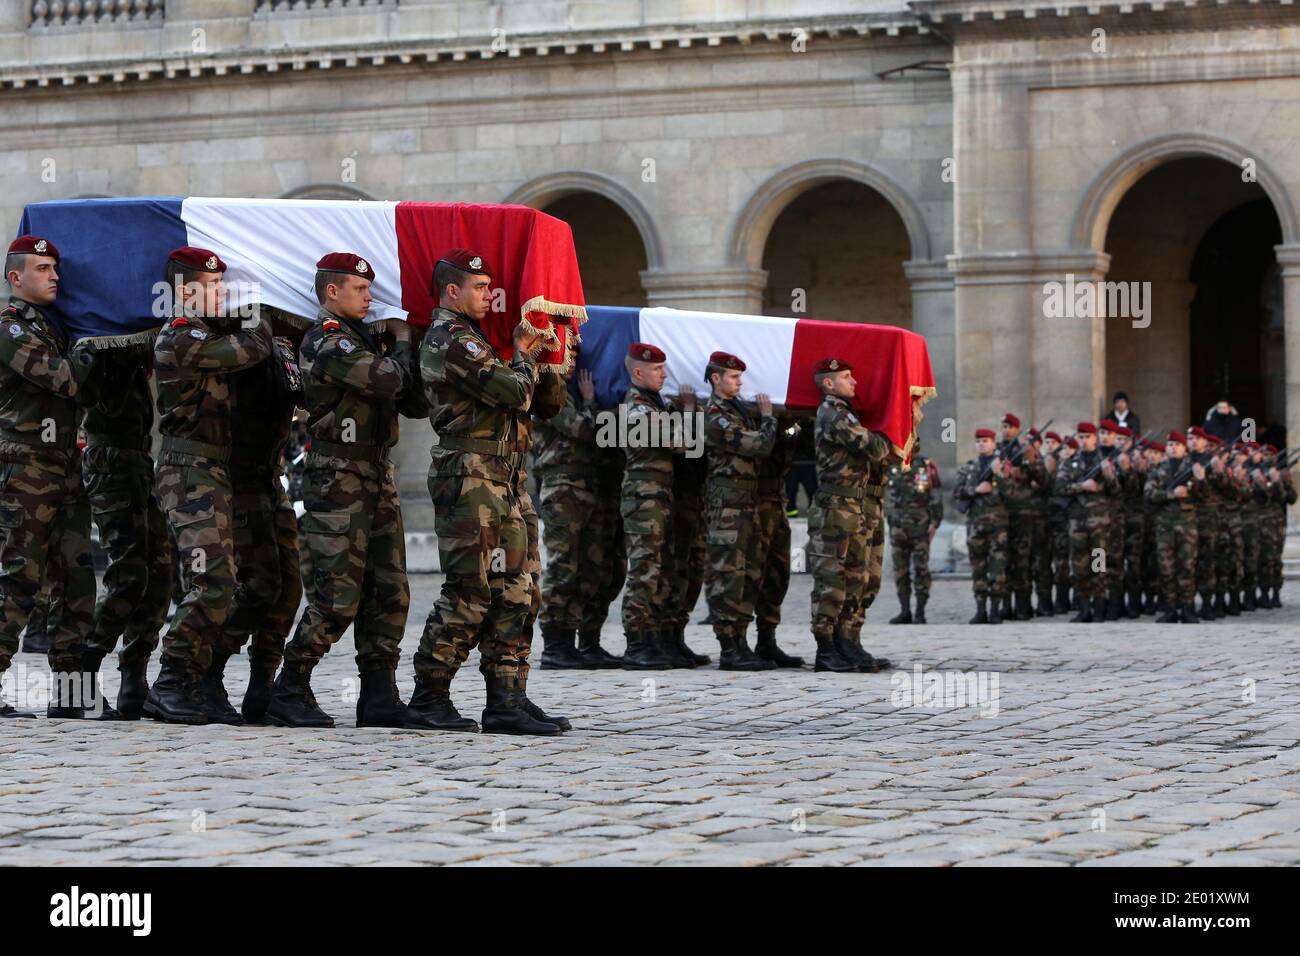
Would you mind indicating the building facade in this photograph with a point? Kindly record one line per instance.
(970, 169)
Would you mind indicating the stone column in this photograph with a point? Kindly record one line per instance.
(714, 290)
(932, 317)
(1288, 260)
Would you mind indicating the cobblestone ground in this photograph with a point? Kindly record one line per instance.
(1105, 745)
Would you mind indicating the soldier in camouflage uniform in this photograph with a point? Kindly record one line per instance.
(738, 437)
(478, 405)
(1040, 549)
(1058, 519)
(194, 357)
(606, 556)
(118, 474)
(981, 484)
(44, 517)
(1133, 484)
(840, 536)
(690, 555)
(1285, 497)
(1024, 477)
(1109, 448)
(1209, 524)
(877, 483)
(269, 585)
(774, 543)
(914, 512)
(1228, 569)
(1172, 487)
(1089, 481)
(354, 386)
(1155, 455)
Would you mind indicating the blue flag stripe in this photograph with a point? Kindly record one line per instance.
(606, 336)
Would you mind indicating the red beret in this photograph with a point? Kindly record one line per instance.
(200, 260)
(1109, 424)
(34, 245)
(1178, 437)
(1253, 445)
(1124, 430)
(1272, 450)
(1157, 445)
(348, 263)
(1086, 428)
(1012, 420)
(1213, 439)
(1073, 443)
(466, 261)
(1053, 436)
(1196, 431)
(727, 360)
(644, 352)
(831, 365)
(985, 433)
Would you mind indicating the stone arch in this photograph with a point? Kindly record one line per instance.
(546, 189)
(327, 191)
(751, 226)
(1104, 193)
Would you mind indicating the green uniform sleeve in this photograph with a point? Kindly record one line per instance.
(29, 356)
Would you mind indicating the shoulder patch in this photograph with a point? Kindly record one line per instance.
(346, 345)
(472, 347)
(9, 310)
(722, 421)
(198, 334)
(15, 330)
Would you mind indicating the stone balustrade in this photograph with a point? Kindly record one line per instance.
(83, 13)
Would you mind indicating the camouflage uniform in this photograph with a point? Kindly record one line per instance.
(1228, 569)
(605, 548)
(1040, 549)
(1176, 534)
(193, 361)
(44, 517)
(1089, 521)
(478, 405)
(877, 482)
(914, 509)
(1020, 500)
(738, 439)
(1134, 498)
(1115, 528)
(1058, 526)
(690, 536)
(353, 389)
(1209, 519)
(117, 470)
(773, 533)
(986, 528)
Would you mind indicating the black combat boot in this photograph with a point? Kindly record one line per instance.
(1148, 603)
(1062, 599)
(1277, 597)
(1248, 599)
(1234, 604)
(292, 702)
(829, 657)
(981, 611)
(1024, 606)
(1170, 616)
(379, 704)
(767, 649)
(216, 702)
(93, 701)
(1133, 605)
(538, 714)
(1005, 611)
(10, 711)
(36, 638)
(735, 655)
(1267, 595)
(505, 713)
(905, 615)
(594, 657)
(558, 651)
(850, 648)
(918, 617)
(1187, 614)
(1206, 613)
(65, 696)
(132, 689)
(677, 637)
(431, 707)
(643, 653)
(1084, 615)
(1162, 605)
(1115, 606)
(996, 607)
(1099, 615)
(175, 697)
(257, 697)
(672, 650)
(1220, 604)
(1044, 608)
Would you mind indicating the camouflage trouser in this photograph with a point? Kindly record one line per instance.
(1040, 551)
(1150, 562)
(774, 558)
(568, 510)
(268, 571)
(195, 494)
(735, 572)
(1059, 527)
(606, 554)
(651, 577)
(986, 543)
(532, 557)
(1020, 544)
(1207, 544)
(1089, 531)
(1134, 526)
(44, 534)
(1249, 548)
(909, 537)
(133, 532)
(1176, 547)
(352, 530)
(875, 566)
(1273, 540)
(1114, 545)
(487, 597)
(1229, 551)
(691, 555)
(839, 539)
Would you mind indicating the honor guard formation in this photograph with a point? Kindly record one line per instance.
(1103, 522)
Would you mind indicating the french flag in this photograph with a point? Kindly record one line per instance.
(891, 365)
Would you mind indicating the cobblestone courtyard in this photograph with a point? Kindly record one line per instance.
(1105, 745)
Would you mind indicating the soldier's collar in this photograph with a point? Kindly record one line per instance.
(25, 308)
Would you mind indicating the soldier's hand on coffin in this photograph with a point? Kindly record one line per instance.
(764, 404)
(526, 336)
(586, 387)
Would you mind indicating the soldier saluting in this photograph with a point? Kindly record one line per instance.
(44, 518)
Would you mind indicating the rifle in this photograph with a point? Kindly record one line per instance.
(1186, 471)
(1095, 470)
(1003, 454)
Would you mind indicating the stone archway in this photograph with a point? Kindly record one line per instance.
(327, 191)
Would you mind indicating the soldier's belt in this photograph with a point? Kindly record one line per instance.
(852, 491)
(736, 484)
(648, 474)
(135, 443)
(769, 486)
(34, 441)
(329, 449)
(198, 449)
(483, 446)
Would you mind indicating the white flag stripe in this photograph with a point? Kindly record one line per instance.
(765, 344)
(276, 243)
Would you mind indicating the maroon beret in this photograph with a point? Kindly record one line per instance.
(1125, 431)
(1073, 443)
(727, 360)
(985, 433)
(1012, 420)
(200, 260)
(1109, 425)
(348, 263)
(1157, 446)
(1054, 437)
(466, 261)
(1196, 431)
(35, 246)
(1178, 437)
(1213, 439)
(644, 352)
(1086, 428)
(832, 365)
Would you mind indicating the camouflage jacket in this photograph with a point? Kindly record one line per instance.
(566, 442)
(266, 396)
(1022, 492)
(912, 497)
(478, 404)
(1157, 490)
(120, 414)
(737, 439)
(39, 381)
(353, 389)
(1070, 475)
(968, 479)
(649, 457)
(193, 359)
(773, 469)
(847, 452)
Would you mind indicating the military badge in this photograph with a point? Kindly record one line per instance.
(198, 334)
(362, 267)
(42, 246)
(212, 263)
(15, 330)
(476, 262)
(834, 364)
(722, 423)
(472, 348)
(346, 345)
